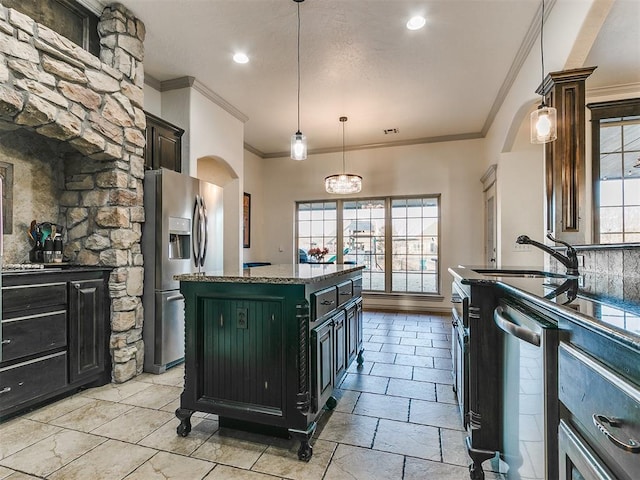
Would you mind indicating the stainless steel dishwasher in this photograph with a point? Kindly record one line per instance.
(530, 393)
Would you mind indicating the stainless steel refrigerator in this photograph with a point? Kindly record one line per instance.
(182, 234)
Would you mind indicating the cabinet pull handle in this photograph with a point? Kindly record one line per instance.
(345, 293)
(327, 302)
(631, 446)
(6, 342)
(5, 390)
(456, 298)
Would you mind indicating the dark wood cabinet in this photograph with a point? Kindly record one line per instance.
(164, 145)
(54, 330)
(86, 329)
(265, 356)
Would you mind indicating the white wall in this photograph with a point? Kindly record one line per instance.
(211, 135)
(452, 169)
(254, 184)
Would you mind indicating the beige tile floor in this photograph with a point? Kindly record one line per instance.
(396, 418)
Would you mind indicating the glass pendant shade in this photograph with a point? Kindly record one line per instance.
(343, 183)
(544, 124)
(298, 146)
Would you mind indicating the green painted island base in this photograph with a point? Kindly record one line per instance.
(265, 351)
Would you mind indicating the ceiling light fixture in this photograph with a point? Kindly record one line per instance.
(343, 183)
(240, 58)
(416, 23)
(544, 119)
(298, 140)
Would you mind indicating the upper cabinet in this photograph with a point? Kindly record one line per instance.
(164, 145)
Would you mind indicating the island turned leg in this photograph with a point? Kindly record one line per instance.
(305, 451)
(184, 415)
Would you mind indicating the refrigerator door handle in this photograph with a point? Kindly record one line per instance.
(195, 231)
(205, 227)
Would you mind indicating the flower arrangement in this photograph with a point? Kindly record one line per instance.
(318, 253)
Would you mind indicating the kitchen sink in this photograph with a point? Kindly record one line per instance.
(525, 273)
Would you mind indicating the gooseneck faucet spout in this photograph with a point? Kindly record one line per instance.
(570, 260)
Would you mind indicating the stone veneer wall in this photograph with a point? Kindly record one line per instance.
(52, 87)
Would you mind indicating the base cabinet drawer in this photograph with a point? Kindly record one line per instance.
(604, 407)
(43, 295)
(29, 380)
(33, 334)
(323, 302)
(577, 460)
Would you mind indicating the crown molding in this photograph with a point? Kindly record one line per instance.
(255, 151)
(152, 82)
(611, 90)
(368, 146)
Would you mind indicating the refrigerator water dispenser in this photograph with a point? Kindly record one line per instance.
(179, 238)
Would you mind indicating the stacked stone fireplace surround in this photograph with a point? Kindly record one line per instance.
(89, 112)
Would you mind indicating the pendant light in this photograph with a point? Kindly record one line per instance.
(544, 119)
(298, 140)
(343, 183)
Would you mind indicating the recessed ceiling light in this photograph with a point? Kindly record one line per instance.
(240, 58)
(416, 23)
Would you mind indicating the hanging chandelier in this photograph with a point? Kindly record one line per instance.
(544, 119)
(298, 140)
(343, 183)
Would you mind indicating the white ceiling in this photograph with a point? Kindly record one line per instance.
(359, 60)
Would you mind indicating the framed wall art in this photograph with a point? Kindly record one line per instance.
(246, 220)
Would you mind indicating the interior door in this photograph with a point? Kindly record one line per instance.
(490, 229)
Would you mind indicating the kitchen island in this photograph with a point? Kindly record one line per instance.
(265, 346)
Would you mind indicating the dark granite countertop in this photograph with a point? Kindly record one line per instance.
(274, 274)
(609, 304)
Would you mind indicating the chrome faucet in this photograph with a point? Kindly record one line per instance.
(570, 260)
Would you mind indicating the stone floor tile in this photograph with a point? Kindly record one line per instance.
(18, 476)
(392, 371)
(453, 447)
(417, 469)
(230, 451)
(59, 408)
(351, 429)
(169, 466)
(5, 472)
(433, 375)
(371, 347)
(346, 400)
(435, 414)
(416, 342)
(441, 344)
(364, 383)
(384, 339)
(22, 433)
(52, 453)
(156, 396)
(445, 394)
(401, 333)
(115, 392)
(110, 460)
(166, 438)
(408, 439)
(443, 363)
(92, 415)
(433, 336)
(223, 472)
(414, 360)
(380, 357)
(412, 389)
(283, 462)
(405, 349)
(383, 406)
(172, 377)
(433, 352)
(356, 463)
(134, 425)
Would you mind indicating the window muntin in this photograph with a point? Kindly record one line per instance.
(618, 182)
(395, 238)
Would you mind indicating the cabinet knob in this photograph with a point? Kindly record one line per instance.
(5, 390)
